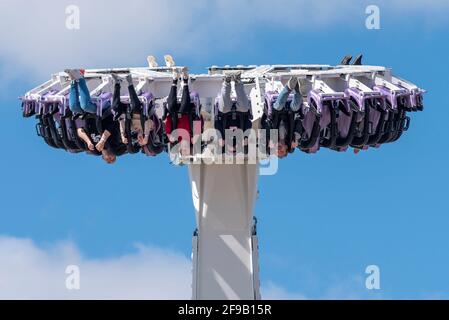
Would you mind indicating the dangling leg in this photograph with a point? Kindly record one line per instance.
(243, 103)
(171, 121)
(117, 106)
(74, 100)
(297, 96)
(282, 99)
(224, 98)
(86, 102)
(297, 102)
(172, 101)
(283, 96)
(185, 100)
(224, 106)
(171, 105)
(136, 105)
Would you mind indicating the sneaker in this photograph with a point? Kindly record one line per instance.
(185, 73)
(169, 62)
(237, 77)
(152, 63)
(74, 74)
(227, 78)
(297, 88)
(175, 73)
(129, 79)
(346, 60)
(115, 78)
(358, 60)
(292, 83)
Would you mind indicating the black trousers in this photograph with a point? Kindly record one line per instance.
(119, 107)
(173, 107)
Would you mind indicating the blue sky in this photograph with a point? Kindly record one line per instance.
(322, 218)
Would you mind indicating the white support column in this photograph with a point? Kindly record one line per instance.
(224, 252)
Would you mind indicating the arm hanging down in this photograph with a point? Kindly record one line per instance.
(83, 135)
(108, 125)
(142, 139)
(123, 131)
(104, 137)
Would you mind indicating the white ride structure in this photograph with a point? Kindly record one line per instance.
(225, 244)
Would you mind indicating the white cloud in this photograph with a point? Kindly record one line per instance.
(116, 33)
(30, 272)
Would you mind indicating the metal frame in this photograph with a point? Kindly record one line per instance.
(324, 78)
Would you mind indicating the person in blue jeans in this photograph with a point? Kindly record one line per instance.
(292, 85)
(80, 102)
(279, 105)
(79, 98)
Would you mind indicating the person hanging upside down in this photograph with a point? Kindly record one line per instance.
(79, 98)
(119, 108)
(109, 144)
(241, 106)
(178, 115)
(79, 103)
(280, 105)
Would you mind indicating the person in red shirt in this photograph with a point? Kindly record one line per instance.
(178, 115)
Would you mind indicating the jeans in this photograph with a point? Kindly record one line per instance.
(79, 98)
(225, 102)
(283, 97)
